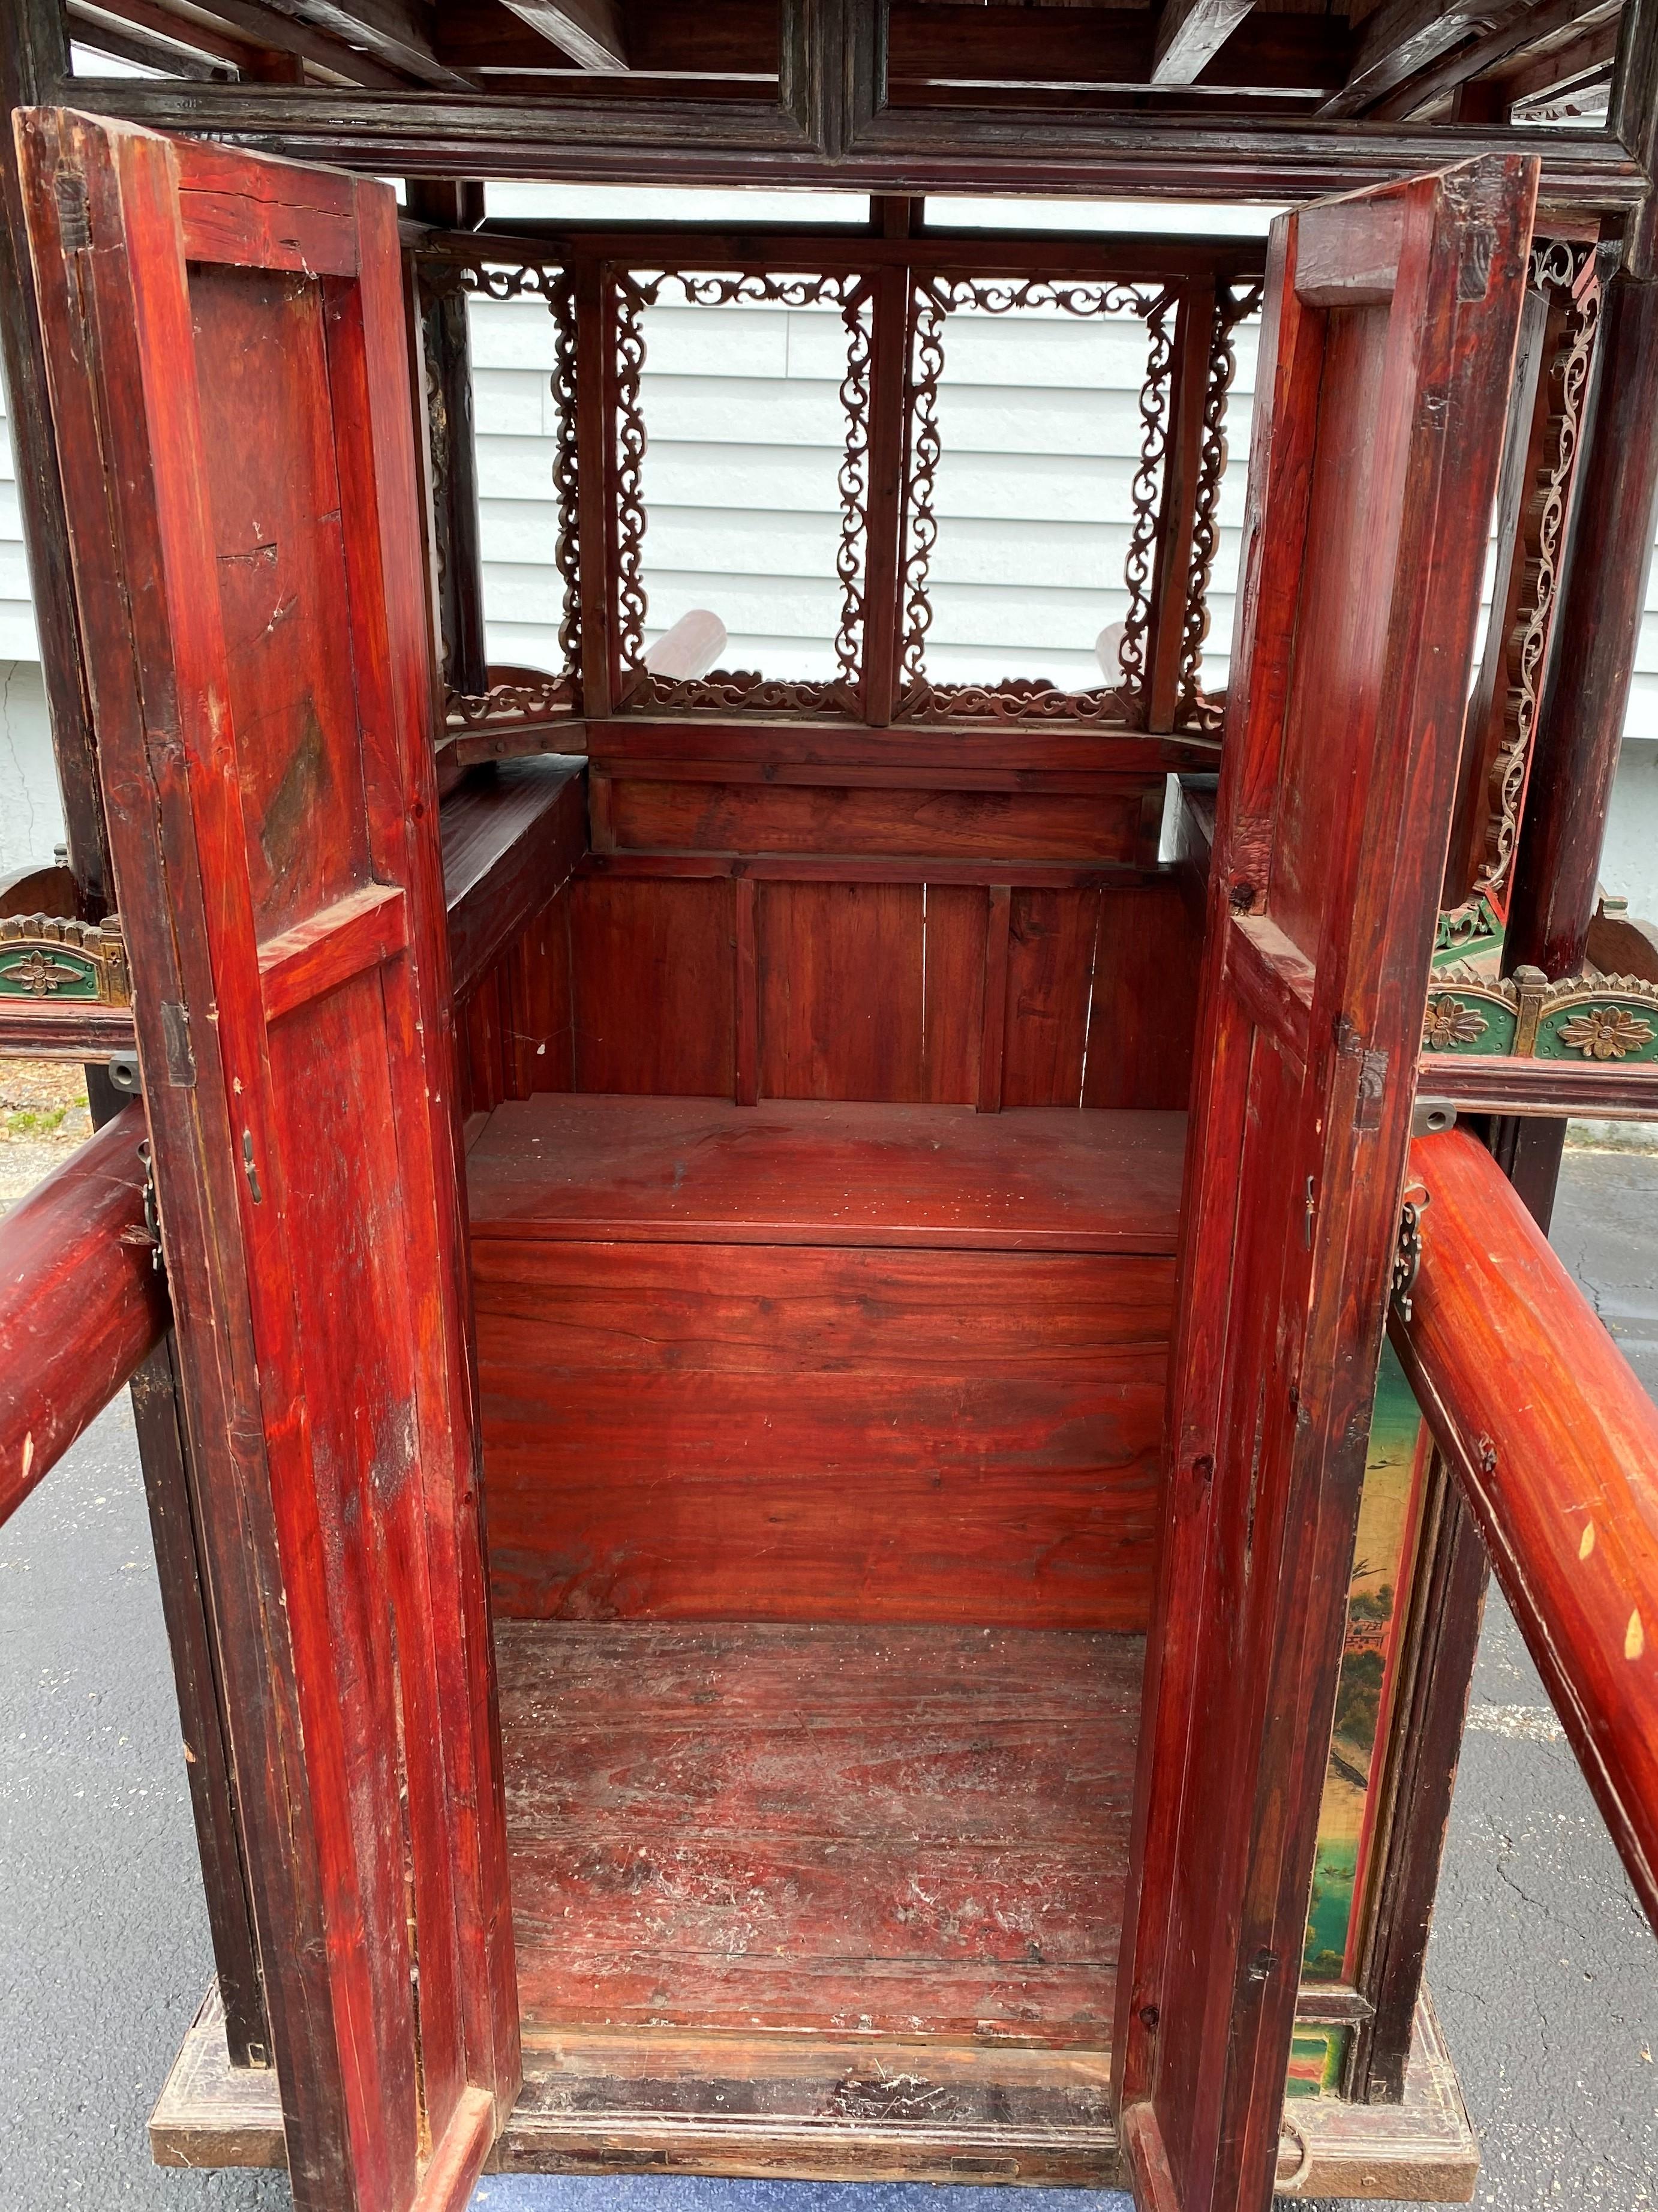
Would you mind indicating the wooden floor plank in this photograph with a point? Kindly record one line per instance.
(831, 1829)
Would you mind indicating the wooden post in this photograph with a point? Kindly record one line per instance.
(34, 61)
(447, 347)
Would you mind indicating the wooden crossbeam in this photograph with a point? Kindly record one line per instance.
(390, 31)
(1510, 41)
(590, 32)
(1190, 33)
(1404, 38)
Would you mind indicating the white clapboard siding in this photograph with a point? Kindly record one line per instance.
(17, 638)
(1039, 416)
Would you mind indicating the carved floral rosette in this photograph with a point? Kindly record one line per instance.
(1611, 1020)
(47, 960)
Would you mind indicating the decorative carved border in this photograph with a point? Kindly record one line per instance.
(1564, 268)
(1525, 1017)
(48, 960)
(515, 704)
(1199, 709)
(725, 690)
(1029, 698)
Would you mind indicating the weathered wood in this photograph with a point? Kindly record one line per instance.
(590, 32)
(81, 1302)
(1488, 1084)
(1360, 591)
(1190, 33)
(447, 373)
(1555, 1442)
(260, 772)
(1580, 728)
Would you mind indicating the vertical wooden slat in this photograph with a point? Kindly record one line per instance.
(883, 556)
(595, 376)
(1171, 572)
(997, 921)
(748, 992)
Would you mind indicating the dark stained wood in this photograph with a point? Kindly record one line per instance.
(446, 370)
(1477, 1083)
(704, 1431)
(1555, 1443)
(254, 612)
(80, 1302)
(953, 921)
(1360, 589)
(1142, 1016)
(852, 1830)
(590, 32)
(1194, 326)
(33, 60)
(993, 1039)
(772, 816)
(510, 836)
(1430, 1707)
(1190, 33)
(1089, 148)
(1580, 728)
(654, 986)
(956, 759)
(945, 1178)
(175, 1530)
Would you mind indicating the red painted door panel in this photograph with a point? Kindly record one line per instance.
(229, 376)
(1385, 354)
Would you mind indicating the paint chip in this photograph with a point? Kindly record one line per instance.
(1587, 1544)
(1635, 1638)
(28, 1454)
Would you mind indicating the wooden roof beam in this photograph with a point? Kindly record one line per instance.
(390, 32)
(1512, 40)
(1404, 38)
(1190, 33)
(590, 32)
(254, 37)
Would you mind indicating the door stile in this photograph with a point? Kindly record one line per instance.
(345, 1678)
(1391, 325)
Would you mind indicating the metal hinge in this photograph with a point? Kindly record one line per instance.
(1408, 1257)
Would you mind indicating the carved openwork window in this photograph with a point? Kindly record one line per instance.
(766, 532)
(517, 355)
(1066, 448)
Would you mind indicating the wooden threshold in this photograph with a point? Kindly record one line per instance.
(805, 2108)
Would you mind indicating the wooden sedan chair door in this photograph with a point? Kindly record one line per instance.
(229, 376)
(1389, 333)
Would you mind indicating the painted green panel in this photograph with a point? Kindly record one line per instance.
(1617, 1033)
(45, 974)
(1468, 1022)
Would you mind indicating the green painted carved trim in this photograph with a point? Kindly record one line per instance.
(1609, 1019)
(1468, 1020)
(1467, 931)
(47, 960)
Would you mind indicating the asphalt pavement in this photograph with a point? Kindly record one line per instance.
(1544, 1972)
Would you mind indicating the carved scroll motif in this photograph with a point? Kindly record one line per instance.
(513, 704)
(1029, 699)
(1571, 271)
(725, 690)
(1234, 304)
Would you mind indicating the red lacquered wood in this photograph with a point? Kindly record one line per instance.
(1385, 364)
(714, 1431)
(935, 1177)
(245, 530)
(80, 1302)
(1555, 1442)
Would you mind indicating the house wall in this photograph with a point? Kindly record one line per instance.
(1042, 431)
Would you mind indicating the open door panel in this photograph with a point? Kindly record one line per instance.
(229, 378)
(1387, 351)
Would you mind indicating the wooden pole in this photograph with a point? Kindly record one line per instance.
(80, 1302)
(34, 61)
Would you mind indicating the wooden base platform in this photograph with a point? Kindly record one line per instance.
(833, 1902)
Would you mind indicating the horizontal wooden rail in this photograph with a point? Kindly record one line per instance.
(1556, 1445)
(80, 1302)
